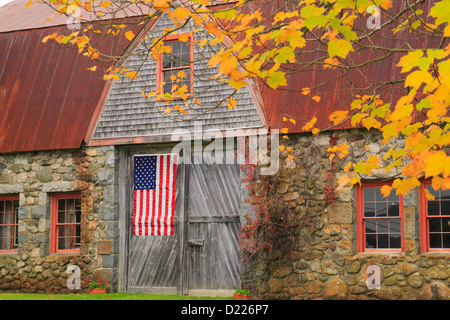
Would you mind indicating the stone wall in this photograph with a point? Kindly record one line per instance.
(325, 264)
(35, 176)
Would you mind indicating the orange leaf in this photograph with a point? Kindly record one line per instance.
(316, 98)
(338, 116)
(306, 91)
(386, 190)
(129, 35)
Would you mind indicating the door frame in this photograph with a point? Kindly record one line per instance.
(126, 154)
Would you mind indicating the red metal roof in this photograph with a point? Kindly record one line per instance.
(16, 16)
(47, 97)
(335, 95)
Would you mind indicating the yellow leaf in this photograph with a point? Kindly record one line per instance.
(227, 65)
(93, 68)
(184, 38)
(306, 91)
(281, 147)
(292, 121)
(105, 4)
(386, 190)
(428, 195)
(173, 77)
(355, 180)
(181, 74)
(310, 124)
(29, 3)
(284, 130)
(343, 181)
(315, 131)
(231, 103)
(348, 166)
(129, 35)
(131, 74)
(338, 116)
(316, 98)
(371, 122)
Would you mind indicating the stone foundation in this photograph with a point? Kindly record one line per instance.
(35, 176)
(325, 263)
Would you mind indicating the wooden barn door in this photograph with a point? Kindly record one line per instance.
(154, 262)
(213, 225)
(203, 256)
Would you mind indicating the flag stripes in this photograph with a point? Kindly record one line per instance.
(154, 195)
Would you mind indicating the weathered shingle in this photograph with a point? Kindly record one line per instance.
(127, 114)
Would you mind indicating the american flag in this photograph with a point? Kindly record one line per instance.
(154, 195)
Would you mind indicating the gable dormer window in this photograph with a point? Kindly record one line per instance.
(176, 68)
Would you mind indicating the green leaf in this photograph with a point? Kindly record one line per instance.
(285, 54)
(339, 48)
(410, 60)
(441, 11)
(277, 79)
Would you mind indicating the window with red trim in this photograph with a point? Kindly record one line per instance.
(176, 67)
(9, 207)
(379, 219)
(66, 222)
(435, 219)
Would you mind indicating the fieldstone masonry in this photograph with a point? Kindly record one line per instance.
(326, 264)
(35, 176)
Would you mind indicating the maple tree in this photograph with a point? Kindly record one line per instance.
(269, 41)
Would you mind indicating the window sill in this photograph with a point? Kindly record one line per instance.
(9, 253)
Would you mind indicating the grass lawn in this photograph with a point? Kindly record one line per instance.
(108, 296)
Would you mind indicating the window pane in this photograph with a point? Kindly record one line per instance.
(369, 210)
(433, 208)
(395, 241)
(381, 209)
(167, 61)
(393, 196)
(433, 192)
(435, 240)
(369, 194)
(383, 241)
(394, 226)
(445, 194)
(378, 195)
(434, 225)
(393, 209)
(371, 241)
(371, 226)
(382, 226)
(446, 238)
(445, 224)
(445, 208)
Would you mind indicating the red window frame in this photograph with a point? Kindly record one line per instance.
(361, 220)
(13, 224)
(424, 221)
(161, 70)
(55, 225)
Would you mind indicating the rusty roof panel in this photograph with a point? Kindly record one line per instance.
(334, 86)
(16, 16)
(47, 97)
